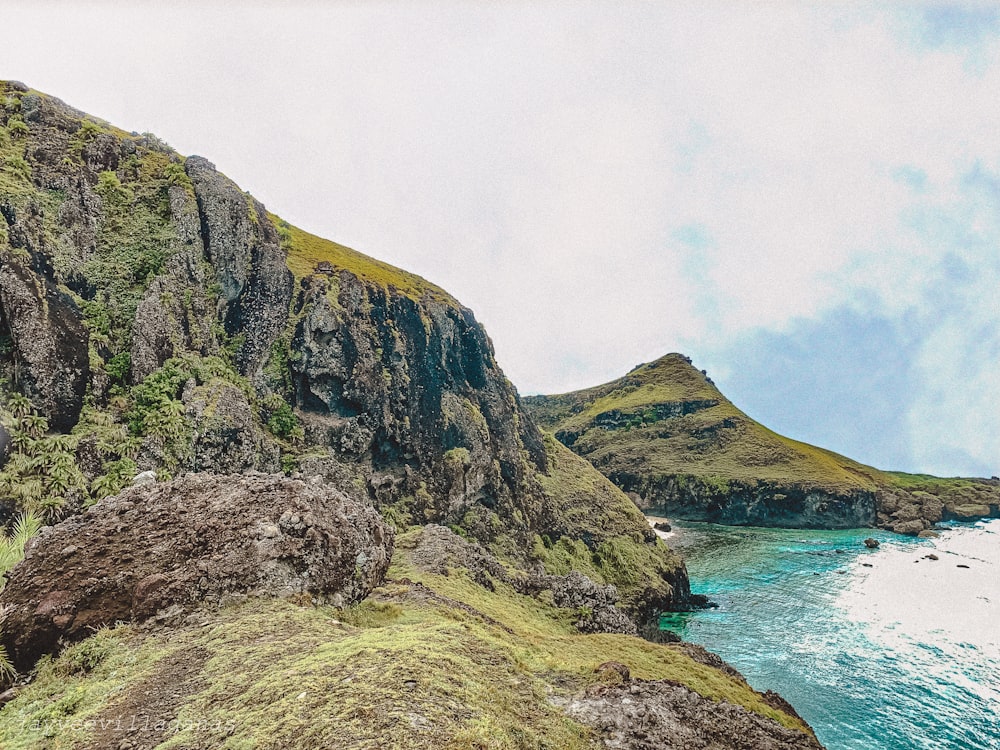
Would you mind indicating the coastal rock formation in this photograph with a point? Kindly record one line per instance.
(666, 435)
(749, 503)
(209, 335)
(156, 551)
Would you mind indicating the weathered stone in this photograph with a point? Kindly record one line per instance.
(51, 357)
(244, 249)
(159, 550)
(144, 477)
(226, 436)
(910, 528)
(968, 512)
(657, 714)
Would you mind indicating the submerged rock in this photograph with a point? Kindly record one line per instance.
(158, 551)
(871, 543)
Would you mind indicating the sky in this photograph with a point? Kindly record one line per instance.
(803, 197)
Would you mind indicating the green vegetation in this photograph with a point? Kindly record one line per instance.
(135, 239)
(41, 473)
(15, 173)
(306, 251)
(584, 505)
(443, 664)
(53, 710)
(712, 439)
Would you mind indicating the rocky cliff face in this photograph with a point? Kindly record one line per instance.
(157, 317)
(154, 316)
(748, 503)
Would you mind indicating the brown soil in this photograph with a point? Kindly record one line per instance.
(147, 714)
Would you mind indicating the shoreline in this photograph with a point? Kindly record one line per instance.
(664, 535)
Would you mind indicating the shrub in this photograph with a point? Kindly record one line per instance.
(17, 127)
(119, 366)
(282, 421)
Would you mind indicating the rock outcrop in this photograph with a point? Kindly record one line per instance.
(49, 343)
(440, 550)
(749, 503)
(915, 505)
(208, 335)
(158, 551)
(662, 715)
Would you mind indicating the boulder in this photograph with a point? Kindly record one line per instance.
(909, 528)
(871, 543)
(654, 714)
(144, 477)
(158, 551)
(969, 511)
(595, 602)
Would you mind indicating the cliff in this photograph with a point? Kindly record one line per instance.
(347, 532)
(665, 434)
(450, 649)
(154, 316)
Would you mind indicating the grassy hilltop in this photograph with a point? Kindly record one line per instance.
(665, 432)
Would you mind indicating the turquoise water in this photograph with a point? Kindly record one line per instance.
(875, 649)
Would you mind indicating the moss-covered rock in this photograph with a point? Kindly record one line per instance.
(161, 550)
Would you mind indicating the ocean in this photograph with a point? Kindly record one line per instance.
(885, 649)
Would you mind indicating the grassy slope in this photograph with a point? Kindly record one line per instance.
(719, 442)
(429, 662)
(306, 251)
(584, 505)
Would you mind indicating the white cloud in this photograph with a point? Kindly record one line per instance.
(538, 160)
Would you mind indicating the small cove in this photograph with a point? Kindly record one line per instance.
(882, 648)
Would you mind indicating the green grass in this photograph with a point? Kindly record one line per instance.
(961, 496)
(447, 664)
(582, 504)
(718, 442)
(306, 251)
(51, 712)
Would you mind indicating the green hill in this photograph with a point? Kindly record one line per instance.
(157, 319)
(666, 434)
